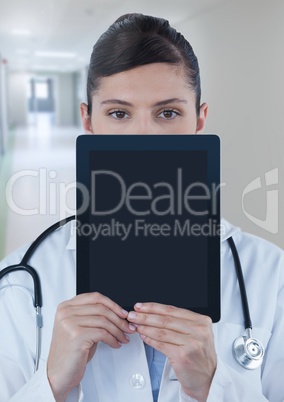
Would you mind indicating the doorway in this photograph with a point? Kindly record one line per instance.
(41, 104)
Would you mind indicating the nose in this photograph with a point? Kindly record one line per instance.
(145, 125)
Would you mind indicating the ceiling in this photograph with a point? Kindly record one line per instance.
(68, 29)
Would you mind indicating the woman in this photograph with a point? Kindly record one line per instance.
(143, 79)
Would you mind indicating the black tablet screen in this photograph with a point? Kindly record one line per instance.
(149, 217)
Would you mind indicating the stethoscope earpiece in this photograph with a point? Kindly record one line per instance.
(248, 351)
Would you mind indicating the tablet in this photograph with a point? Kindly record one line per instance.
(148, 219)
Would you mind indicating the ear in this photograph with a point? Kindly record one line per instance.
(202, 118)
(86, 119)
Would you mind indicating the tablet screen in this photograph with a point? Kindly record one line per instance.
(147, 232)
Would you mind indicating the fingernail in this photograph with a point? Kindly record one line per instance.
(132, 315)
(127, 337)
(124, 312)
(138, 305)
(132, 327)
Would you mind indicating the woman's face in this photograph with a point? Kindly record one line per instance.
(150, 99)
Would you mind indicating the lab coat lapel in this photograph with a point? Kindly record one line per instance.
(169, 388)
(113, 371)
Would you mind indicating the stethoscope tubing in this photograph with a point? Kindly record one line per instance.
(240, 276)
(24, 266)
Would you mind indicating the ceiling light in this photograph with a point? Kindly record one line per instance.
(22, 32)
(55, 54)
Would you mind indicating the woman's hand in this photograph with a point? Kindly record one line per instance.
(185, 337)
(80, 323)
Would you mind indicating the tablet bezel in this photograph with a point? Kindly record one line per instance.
(210, 143)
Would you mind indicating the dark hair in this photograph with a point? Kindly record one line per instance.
(134, 40)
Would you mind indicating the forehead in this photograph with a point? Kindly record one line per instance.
(151, 81)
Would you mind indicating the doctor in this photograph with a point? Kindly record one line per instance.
(143, 78)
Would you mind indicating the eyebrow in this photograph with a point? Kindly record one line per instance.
(172, 100)
(125, 103)
(116, 101)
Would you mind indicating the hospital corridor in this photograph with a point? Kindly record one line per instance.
(42, 83)
(45, 49)
(36, 172)
(141, 200)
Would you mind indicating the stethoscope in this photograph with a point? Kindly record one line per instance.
(23, 266)
(248, 351)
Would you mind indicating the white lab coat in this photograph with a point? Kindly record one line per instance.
(108, 375)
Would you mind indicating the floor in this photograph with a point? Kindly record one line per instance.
(37, 180)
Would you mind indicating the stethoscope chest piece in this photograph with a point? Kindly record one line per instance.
(248, 352)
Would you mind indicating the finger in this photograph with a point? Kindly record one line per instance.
(163, 335)
(201, 328)
(98, 310)
(97, 298)
(194, 348)
(160, 322)
(100, 335)
(163, 347)
(164, 309)
(180, 325)
(96, 323)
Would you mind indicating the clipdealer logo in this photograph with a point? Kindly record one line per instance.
(184, 202)
(137, 207)
(270, 222)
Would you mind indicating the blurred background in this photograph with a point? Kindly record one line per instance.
(45, 46)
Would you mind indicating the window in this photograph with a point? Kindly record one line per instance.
(41, 90)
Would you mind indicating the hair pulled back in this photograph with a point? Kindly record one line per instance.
(135, 40)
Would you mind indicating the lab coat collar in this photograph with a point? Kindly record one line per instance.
(71, 245)
(227, 230)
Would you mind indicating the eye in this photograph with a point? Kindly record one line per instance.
(168, 114)
(118, 114)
